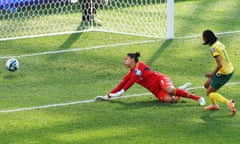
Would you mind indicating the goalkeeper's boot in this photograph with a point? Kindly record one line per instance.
(202, 101)
(212, 107)
(231, 106)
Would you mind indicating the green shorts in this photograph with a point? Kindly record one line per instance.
(218, 80)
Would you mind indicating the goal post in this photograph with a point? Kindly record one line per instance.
(34, 18)
(170, 19)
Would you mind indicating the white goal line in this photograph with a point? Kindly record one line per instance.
(218, 33)
(90, 101)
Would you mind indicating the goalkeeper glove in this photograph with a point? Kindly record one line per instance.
(106, 97)
(117, 94)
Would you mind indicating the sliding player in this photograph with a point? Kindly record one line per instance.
(157, 83)
(220, 75)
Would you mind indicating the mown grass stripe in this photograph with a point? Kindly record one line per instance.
(90, 101)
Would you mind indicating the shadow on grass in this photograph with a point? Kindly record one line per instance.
(9, 77)
(158, 53)
(151, 103)
(211, 117)
(70, 40)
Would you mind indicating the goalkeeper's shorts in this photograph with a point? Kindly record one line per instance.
(165, 82)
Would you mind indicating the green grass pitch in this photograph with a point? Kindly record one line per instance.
(82, 75)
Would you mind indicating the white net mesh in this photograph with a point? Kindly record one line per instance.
(27, 18)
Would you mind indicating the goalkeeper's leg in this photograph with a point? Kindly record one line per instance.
(183, 93)
(165, 97)
(167, 85)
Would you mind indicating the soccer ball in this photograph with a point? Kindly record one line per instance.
(12, 64)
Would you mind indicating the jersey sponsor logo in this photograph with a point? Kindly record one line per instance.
(138, 72)
(212, 50)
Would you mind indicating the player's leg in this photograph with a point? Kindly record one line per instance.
(214, 96)
(183, 93)
(213, 104)
(167, 85)
(166, 98)
(217, 82)
(207, 83)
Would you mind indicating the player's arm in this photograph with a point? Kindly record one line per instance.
(122, 83)
(125, 86)
(218, 67)
(117, 90)
(129, 84)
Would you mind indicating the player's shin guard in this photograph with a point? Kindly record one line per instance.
(183, 93)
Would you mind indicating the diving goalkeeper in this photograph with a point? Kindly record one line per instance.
(157, 83)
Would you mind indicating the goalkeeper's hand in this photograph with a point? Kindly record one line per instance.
(117, 94)
(106, 97)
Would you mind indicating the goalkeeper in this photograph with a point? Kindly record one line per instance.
(157, 83)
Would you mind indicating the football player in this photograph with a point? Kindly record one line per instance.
(220, 75)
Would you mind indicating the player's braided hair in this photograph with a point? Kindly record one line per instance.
(134, 55)
(209, 37)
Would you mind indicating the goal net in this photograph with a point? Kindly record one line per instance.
(33, 18)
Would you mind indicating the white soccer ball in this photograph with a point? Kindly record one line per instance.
(12, 64)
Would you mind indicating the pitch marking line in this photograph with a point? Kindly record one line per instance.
(80, 49)
(106, 46)
(89, 101)
(219, 33)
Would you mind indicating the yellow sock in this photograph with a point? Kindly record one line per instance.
(218, 97)
(212, 101)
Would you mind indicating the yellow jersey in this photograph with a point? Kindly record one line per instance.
(218, 49)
